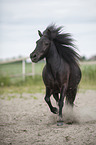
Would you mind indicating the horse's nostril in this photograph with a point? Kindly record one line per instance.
(34, 56)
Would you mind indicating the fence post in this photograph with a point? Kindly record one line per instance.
(23, 69)
(33, 69)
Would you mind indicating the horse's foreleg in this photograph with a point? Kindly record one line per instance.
(61, 103)
(47, 99)
(56, 97)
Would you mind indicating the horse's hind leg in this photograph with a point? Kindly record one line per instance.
(70, 97)
(47, 99)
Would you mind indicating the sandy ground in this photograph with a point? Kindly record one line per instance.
(27, 120)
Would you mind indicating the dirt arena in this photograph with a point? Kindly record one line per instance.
(27, 120)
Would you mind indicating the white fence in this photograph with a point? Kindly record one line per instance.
(23, 74)
(32, 72)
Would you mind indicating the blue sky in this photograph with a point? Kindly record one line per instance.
(20, 20)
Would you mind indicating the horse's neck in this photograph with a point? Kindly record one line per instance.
(53, 58)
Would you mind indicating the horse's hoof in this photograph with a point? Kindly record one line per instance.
(59, 123)
(54, 110)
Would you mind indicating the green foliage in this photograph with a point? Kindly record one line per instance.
(83, 58)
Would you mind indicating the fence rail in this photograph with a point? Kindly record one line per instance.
(32, 73)
(14, 60)
(23, 74)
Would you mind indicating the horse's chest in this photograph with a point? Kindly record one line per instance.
(53, 80)
(54, 84)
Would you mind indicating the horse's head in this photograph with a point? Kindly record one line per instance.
(42, 47)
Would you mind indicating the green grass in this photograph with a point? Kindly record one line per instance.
(30, 85)
(35, 84)
(88, 80)
(16, 68)
(11, 68)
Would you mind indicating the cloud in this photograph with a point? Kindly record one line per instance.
(20, 20)
(76, 10)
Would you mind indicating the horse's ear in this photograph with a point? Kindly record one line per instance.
(40, 34)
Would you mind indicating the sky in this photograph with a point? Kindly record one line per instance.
(21, 19)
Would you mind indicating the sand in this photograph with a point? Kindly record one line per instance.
(27, 120)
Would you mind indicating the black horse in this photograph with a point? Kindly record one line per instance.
(61, 74)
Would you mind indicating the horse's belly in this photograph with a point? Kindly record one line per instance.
(52, 85)
(56, 88)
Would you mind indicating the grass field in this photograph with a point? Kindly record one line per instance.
(88, 76)
(35, 84)
(16, 68)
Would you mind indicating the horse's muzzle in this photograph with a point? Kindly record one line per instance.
(33, 57)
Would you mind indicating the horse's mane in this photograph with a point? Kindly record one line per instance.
(63, 42)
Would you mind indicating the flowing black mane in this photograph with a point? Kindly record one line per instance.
(63, 42)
